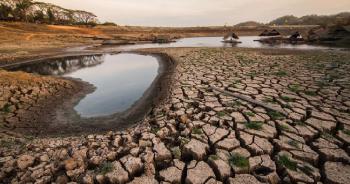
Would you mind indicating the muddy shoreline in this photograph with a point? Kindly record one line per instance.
(60, 118)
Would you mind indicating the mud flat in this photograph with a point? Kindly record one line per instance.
(197, 135)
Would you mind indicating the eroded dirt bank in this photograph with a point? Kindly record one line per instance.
(197, 135)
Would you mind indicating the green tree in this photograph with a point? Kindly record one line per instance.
(51, 16)
(21, 10)
(5, 12)
(39, 16)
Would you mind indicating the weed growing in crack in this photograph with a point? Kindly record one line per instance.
(250, 114)
(287, 99)
(268, 100)
(213, 157)
(284, 161)
(255, 125)
(154, 130)
(300, 123)
(275, 115)
(105, 168)
(306, 169)
(281, 73)
(221, 114)
(197, 131)
(238, 161)
(294, 88)
(284, 127)
(183, 141)
(176, 152)
(310, 93)
(6, 108)
(347, 132)
(293, 143)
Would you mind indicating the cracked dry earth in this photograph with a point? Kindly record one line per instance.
(198, 135)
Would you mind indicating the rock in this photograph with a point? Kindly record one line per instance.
(88, 179)
(198, 173)
(96, 160)
(62, 179)
(118, 175)
(25, 161)
(243, 178)
(171, 174)
(144, 180)
(220, 167)
(337, 172)
(70, 164)
(162, 153)
(100, 179)
(195, 149)
(132, 164)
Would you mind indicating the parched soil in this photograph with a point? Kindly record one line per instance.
(197, 135)
(26, 100)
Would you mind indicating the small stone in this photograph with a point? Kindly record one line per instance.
(196, 149)
(198, 173)
(337, 172)
(25, 161)
(132, 164)
(243, 178)
(118, 175)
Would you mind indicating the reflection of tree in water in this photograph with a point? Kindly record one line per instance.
(63, 65)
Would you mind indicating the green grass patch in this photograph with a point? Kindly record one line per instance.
(184, 141)
(294, 88)
(268, 100)
(235, 104)
(197, 131)
(284, 127)
(306, 169)
(287, 99)
(251, 114)
(154, 130)
(310, 93)
(255, 125)
(176, 152)
(300, 123)
(347, 132)
(221, 114)
(281, 73)
(293, 143)
(105, 168)
(275, 115)
(238, 161)
(286, 162)
(213, 157)
(6, 108)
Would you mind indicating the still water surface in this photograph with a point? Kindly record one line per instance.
(247, 41)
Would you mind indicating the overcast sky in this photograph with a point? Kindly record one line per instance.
(200, 12)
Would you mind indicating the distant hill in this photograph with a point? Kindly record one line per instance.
(39, 12)
(323, 20)
(249, 24)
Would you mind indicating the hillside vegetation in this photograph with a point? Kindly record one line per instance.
(38, 12)
(323, 20)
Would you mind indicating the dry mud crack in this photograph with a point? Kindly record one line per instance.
(198, 135)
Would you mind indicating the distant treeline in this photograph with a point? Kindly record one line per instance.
(322, 20)
(38, 12)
